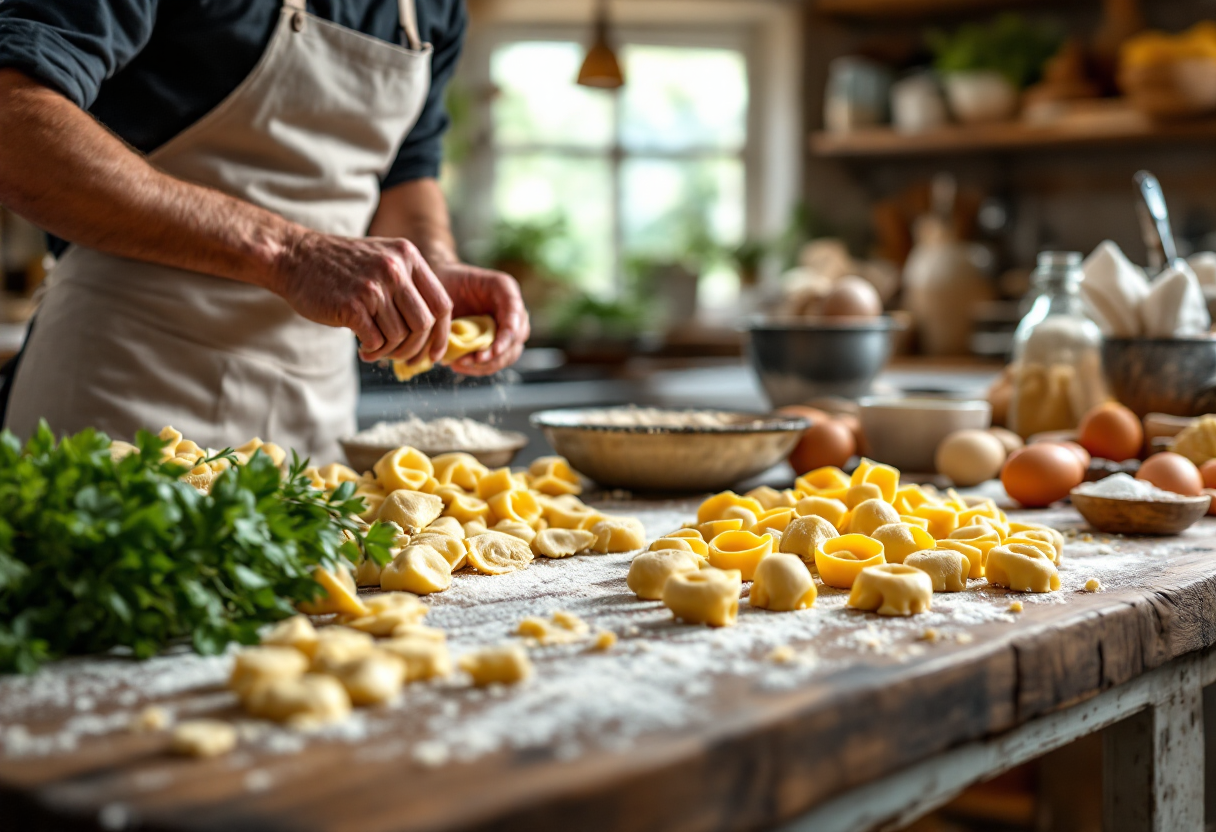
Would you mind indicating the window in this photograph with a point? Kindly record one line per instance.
(653, 171)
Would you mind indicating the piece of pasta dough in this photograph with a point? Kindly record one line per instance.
(870, 515)
(892, 589)
(452, 548)
(418, 569)
(468, 335)
(975, 556)
(495, 553)
(257, 665)
(404, 468)
(946, 568)
(1039, 538)
(649, 571)
(446, 525)
(386, 612)
(782, 584)
(515, 528)
(806, 534)
(377, 677)
(553, 476)
(202, 738)
(1022, 567)
(305, 702)
(413, 511)
(841, 559)
(341, 594)
(459, 469)
(338, 645)
(774, 520)
(902, 539)
(296, 632)
(740, 550)
(503, 665)
(424, 658)
(707, 596)
(562, 543)
(618, 534)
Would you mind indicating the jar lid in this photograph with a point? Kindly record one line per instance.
(1058, 259)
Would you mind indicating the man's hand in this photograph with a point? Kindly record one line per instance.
(476, 291)
(380, 288)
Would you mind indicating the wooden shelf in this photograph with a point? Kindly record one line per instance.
(1127, 130)
(885, 9)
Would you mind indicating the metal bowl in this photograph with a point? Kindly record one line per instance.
(689, 459)
(362, 455)
(801, 360)
(1162, 375)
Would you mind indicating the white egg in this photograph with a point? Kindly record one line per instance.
(969, 457)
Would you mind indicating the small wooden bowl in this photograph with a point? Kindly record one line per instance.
(1115, 516)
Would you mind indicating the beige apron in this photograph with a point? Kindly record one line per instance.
(122, 345)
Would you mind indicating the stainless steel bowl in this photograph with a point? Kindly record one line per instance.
(1162, 375)
(687, 459)
(798, 361)
(362, 455)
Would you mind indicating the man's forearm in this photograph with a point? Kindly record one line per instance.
(418, 212)
(66, 173)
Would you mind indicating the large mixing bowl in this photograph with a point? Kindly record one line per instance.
(1162, 375)
(649, 458)
(799, 361)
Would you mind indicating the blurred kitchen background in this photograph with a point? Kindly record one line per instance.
(726, 159)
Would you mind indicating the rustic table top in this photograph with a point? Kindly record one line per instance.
(676, 728)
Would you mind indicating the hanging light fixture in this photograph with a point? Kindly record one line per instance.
(601, 68)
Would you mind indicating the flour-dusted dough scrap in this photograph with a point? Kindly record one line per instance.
(562, 543)
(947, 568)
(618, 534)
(1023, 567)
(740, 550)
(806, 534)
(256, 665)
(413, 511)
(202, 738)
(377, 677)
(649, 571)
(505, 665)
(305, 702)
(892, 589)
(707, 596)
(296, 632)
(782, 583)
(419, 569)
(495, 553)
(902, 539)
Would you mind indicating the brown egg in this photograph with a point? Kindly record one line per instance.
(1172, 472)
(825, 443)
(1080, 452)
(1208, 470)
(1111, 431)
(852, 297)
(1040, 474)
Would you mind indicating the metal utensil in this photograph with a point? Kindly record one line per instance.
(1154, 201)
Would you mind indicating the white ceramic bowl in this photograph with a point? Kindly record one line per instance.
(906, 432)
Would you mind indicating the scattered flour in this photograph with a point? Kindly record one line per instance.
(437, 435)
(1124, 487)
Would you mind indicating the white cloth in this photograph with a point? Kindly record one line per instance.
(122, 345)
(1175, 306)
(1112, 289)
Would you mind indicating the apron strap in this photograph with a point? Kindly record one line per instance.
(409, 23)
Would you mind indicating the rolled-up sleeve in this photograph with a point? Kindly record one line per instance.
(73, 45)
(421, 153)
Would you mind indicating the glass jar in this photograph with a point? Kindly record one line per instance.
(1057, 352)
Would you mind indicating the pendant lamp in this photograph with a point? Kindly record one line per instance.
(600, 68)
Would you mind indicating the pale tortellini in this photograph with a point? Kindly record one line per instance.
(505, 665)
(707, 596)
(468, 335)
(618, 534)
(899, 540)
(804, 535)
(552, 475)
(831, 510)
(375, 678)
(458, 469)
(495, 553)
(1023, 567)
(424, 658)
(385, 614)
(1050, 540)
(419, 569)
(338, 645)
(892, 589)
(304, 702)
(296, 632)
(649, 571)
(258, 665)
(946, 568)
(562, 543)
(452, 548)
(740, 550)
(446, 525)
(202, 738)
(974, 555)
(413, 511)
(782, 584)
(871, 515)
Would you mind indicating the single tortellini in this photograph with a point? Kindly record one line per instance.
(495, 553)
(841, 559)
(774, 520)
(562, 543)
(690, 538)
(404, 468)
(946, 568)
(377, 677)
(783, 584)
(979, 535)
(413, 511)
(975, 556)
(446, 525)
(304, 702)
(902, 539)
(418, 569)
(386, 613)
(338, 645)
(367, 572)
(870, 515)
(858, 494)
(424, 658)
(618, 534)
(552, 475)
(649, 571)
(740, 550)
(296, 632)
(834, 511)
(467, 335)
(804, 535)
(453, 549)
(277, 454)
(816, 483)
(1023, 567)
(257, 665)
(466, 508)
(711, 529)
(707, 596)
(474, 527)
(770, 498)
(892, 589)
(458, 469)
(202, 738)
(498, 481)
(372, 494)
(718, 507)
(341, 595)
(504, 665)
(516, 528)
(1052, 538)
(517, 505)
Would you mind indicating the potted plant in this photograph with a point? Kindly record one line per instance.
(984, 67)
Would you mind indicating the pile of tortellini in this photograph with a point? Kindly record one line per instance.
(453, 512)
(205, 464)
(892, 546)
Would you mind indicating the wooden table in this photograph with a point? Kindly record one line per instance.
(873, 739)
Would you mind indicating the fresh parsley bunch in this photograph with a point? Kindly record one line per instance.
(97, 553)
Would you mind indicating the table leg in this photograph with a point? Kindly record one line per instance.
(1153, 764)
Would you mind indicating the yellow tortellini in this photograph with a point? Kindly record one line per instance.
(892, 589)
(946, 568)
(618, 534)
(841, 559)
(505, 665)
(561, 543)
(804, 535)
(495, 553)
(707, 596)
(413, 511)
(468, 335)
(1023, 567)
(740, 550)
(406, 469)
(782, 583)
(552, 475)
(899, 540)
(458, 469)
(419, 569)
(649, 571)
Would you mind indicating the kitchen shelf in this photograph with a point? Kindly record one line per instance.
(885, 9)
(883, 142)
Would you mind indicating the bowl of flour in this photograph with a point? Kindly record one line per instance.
(1120, 504)
(492, 447)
